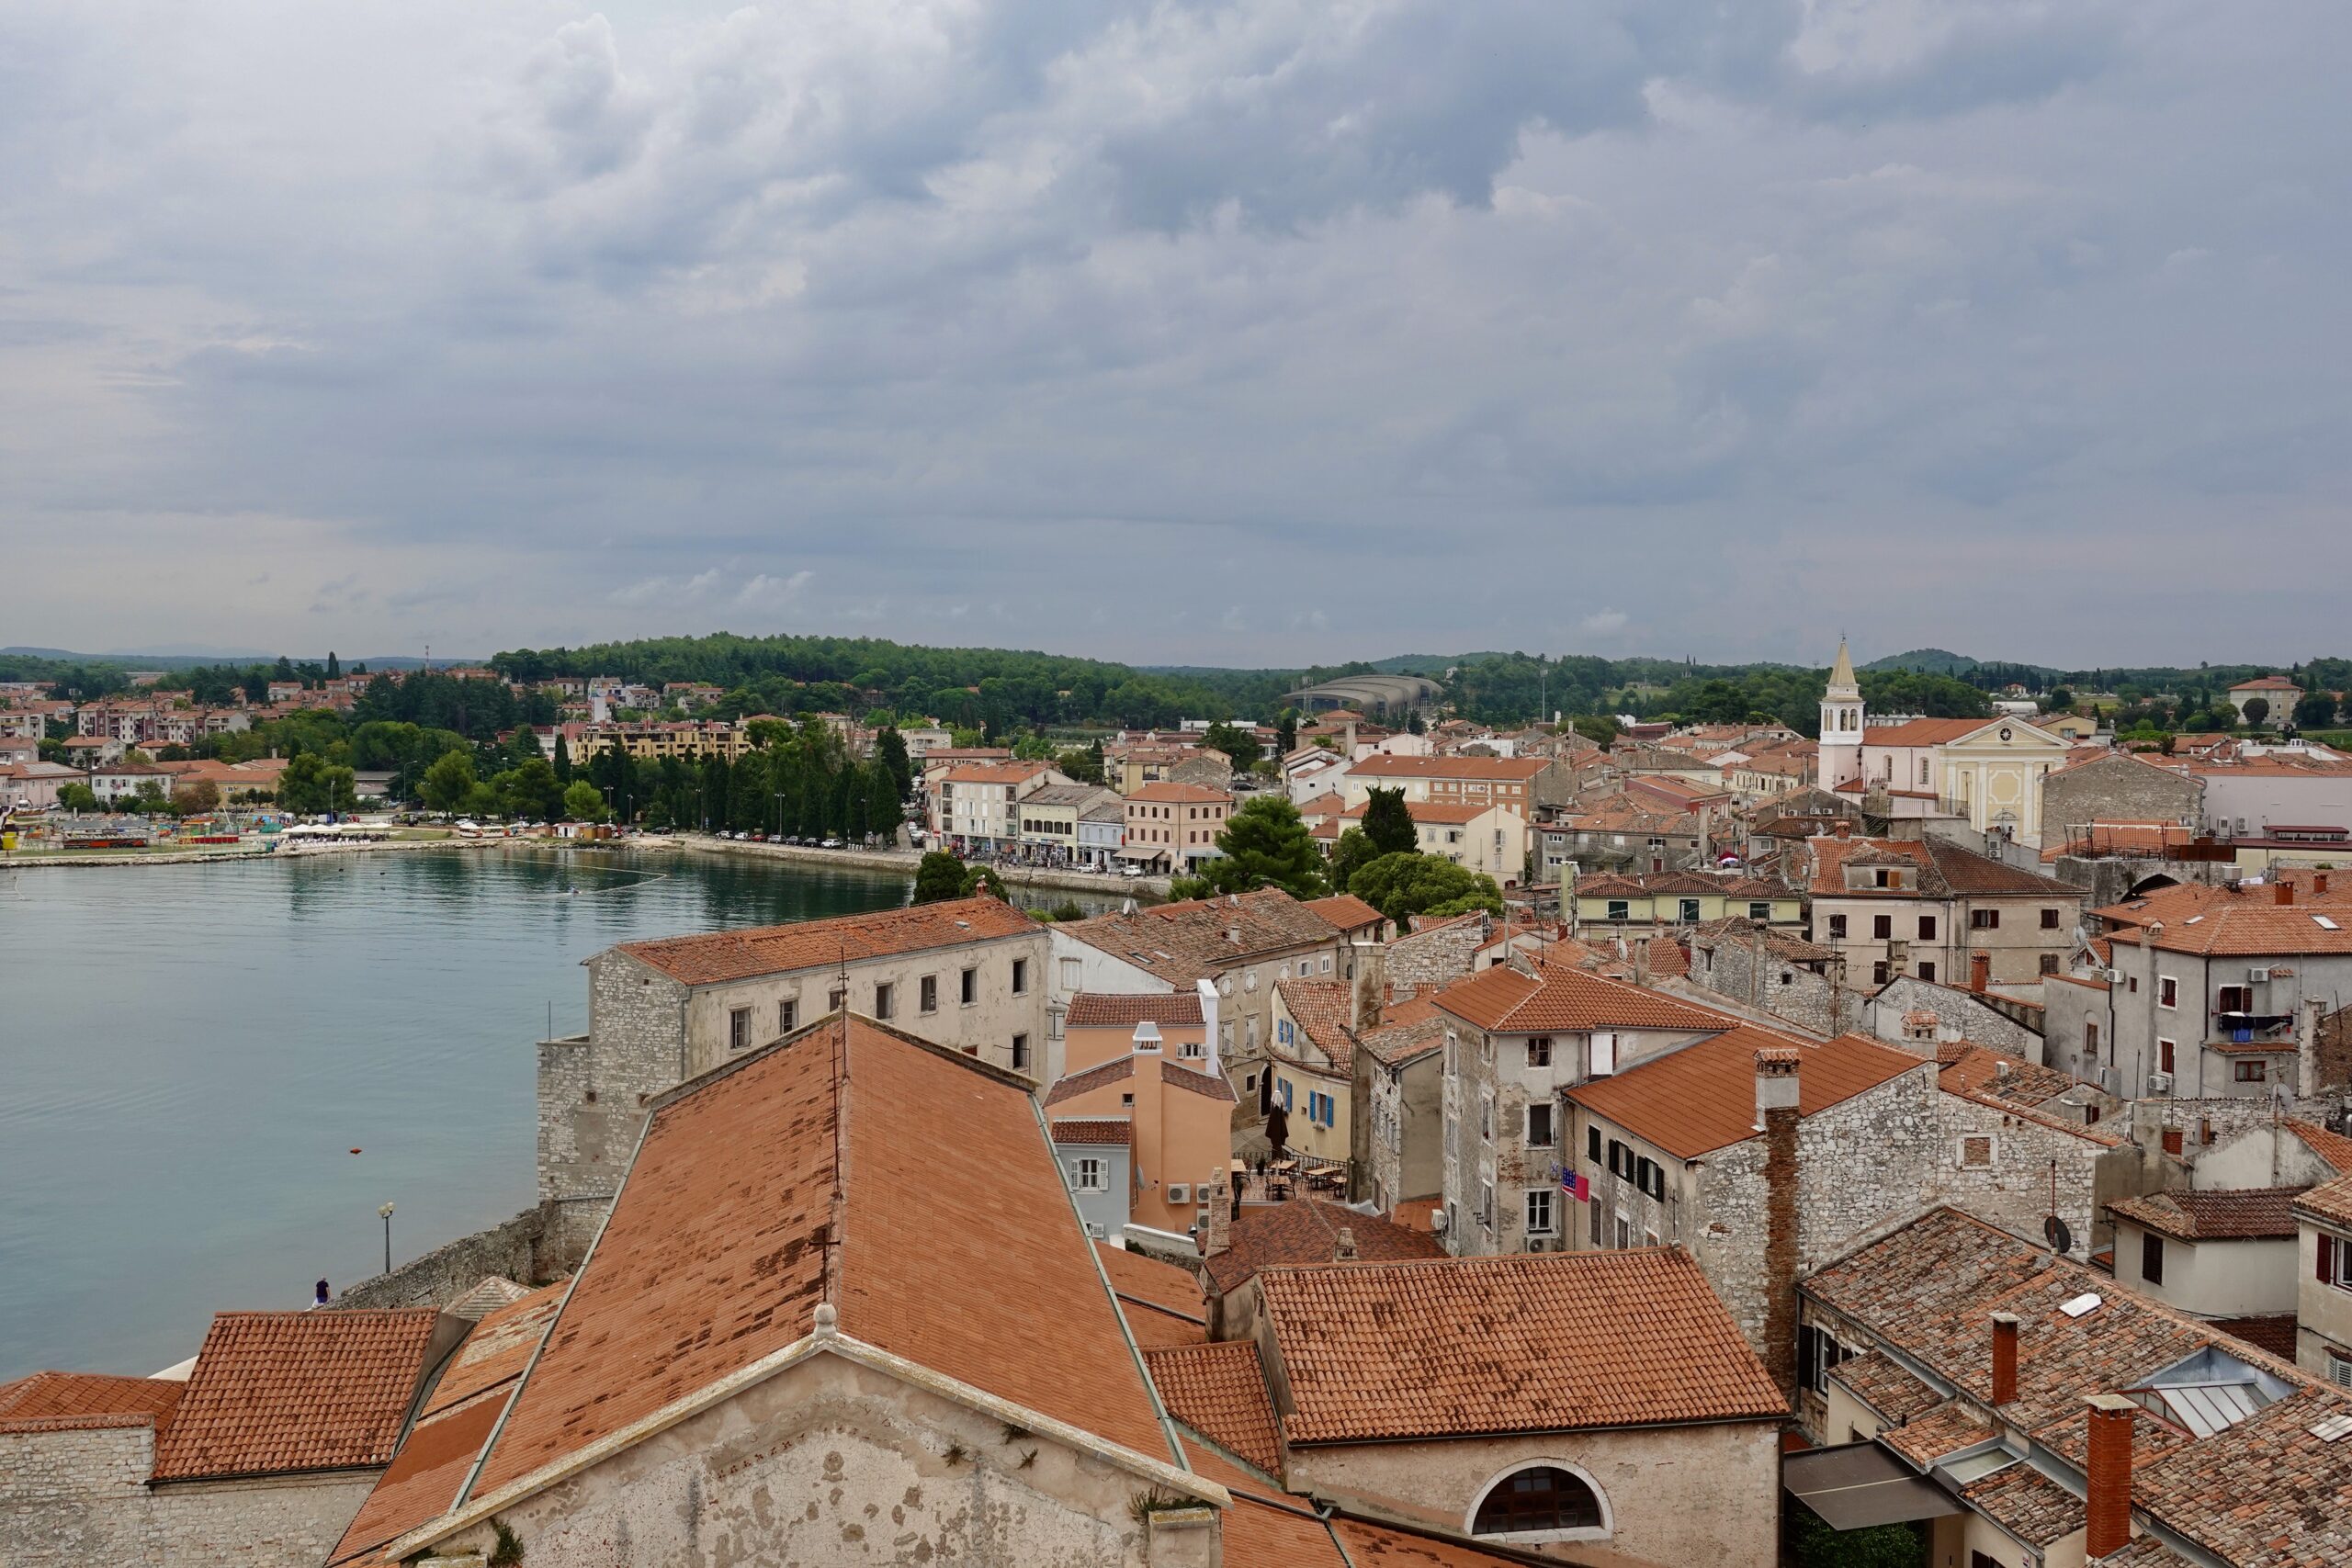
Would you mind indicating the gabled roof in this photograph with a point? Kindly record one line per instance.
(1323, 1009)
(1188, 941)
(1160, 1287)
(2257, 930)
(1504, 999)
(1219, 1390)
(1306, 1230)
(275, 1392)
(2235, 1214)
(1347, 911)
(1181, 793)
(1702, 1096)
(1567, 1341)
(716, 957)
(2333, 1147)
(58, 1402)
(848, 1164)
(1407, 1040)
(1508, 770)
(1924, 731)
(1108, 1009)
(1945, 869)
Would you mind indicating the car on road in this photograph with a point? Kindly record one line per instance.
(832, 843)
(1131, 869)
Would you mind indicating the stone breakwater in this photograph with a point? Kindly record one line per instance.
(220, 856)
(1019, 880)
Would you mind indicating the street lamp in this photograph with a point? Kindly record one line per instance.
(386, 1214)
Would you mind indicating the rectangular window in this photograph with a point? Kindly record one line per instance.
(968, 990)
(1539, 1051)
(1539, 1211)
(2163, 1057)
(787, 1016)
(2152, 1258)
(1020, 976)
(1486, 1204)
(1983, 920)
(1020, 1052)
(1881, 927)
(1926, 971)
(1592, 1145)
(1836, 928)
(1597, 1238)
(1926, 928)
(2235, 998)
(2255, 1070)
(2168, 991)
(1090, 1175)
(833, 999)
(1976, 1151)
(927, 993)
(738, 1028)
(1619, 910)
(1073, 973)
(1650, 1177)
(1879, 973)
(1539, 1126)
(1688, 911)
(1487, 1117)
(886, 1000)
(2050, 920)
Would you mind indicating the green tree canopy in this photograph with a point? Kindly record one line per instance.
(582, 802)
(2316, 710)
(940, 876)
(1266, 844)
(311, 784)
(77, 797)
(2257, 710)
(449, 781)
(1234, 741)
(1352, 854)
(530, 791)
(983, 879)
(1403, 885)
(1388, 823)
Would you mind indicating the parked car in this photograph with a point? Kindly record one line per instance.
(832, 843)
(1131, 869)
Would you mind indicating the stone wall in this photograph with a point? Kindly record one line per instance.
(2116, 789)
(284, 1522)
(537, 1246)
(1431, 960)
(1747, 973)
(2014, 1192)
(76, 1498)
(1960, 1015)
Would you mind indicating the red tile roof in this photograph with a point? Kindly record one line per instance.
(2333, 1147)
(57, 1402)
(2238, 1214)
(1702, 1096)
(422, 1480)
(1322, 1008)
(1506, 770)
(498, 1347)
(1193, 939)
(719, 956)
(1162, 1287)
(1105, 1009)
(279, 1392)
(721, 1243)
(1306, 1230)
(1890, 1392)
(1566, 1341)
(1347, 911)
(2259, 930)
(1503, 1000)
(1091, 1130)
(1219, 1392)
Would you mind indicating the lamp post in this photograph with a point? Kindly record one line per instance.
(385, 1213)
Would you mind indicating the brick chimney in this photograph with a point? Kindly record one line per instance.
(1777, 1116)
(1147, 1129)
(2107, 1500)
(2282, 893)
(2005, 1357)
(1980, 972)
(1219, 1236)
(1845, 829)
(1343, 1250)
(2319, 883)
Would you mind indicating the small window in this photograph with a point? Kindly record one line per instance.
(927, 993)
(1983, 920)
(1539, 1051)
(969, 985)
(1880, 974)
(2163, 1057)
(787, 1016)
(1619, 910)
(1540, 1211)
(1976, 1151)
(2168, 991)
(1539, 1126)
(1073, 973)
(2048, 963)
(1091, 1176)
(1486, 1204)
(2050, 920)
(1836, 928)
(1020, 976)
(738, 1028)
(1592, 1145)
(885, 1000)
(2253, 1070)
(1760, 913)
(1926, 928)
(833, 999)
(1020, 1052)
(1540, 1498)
(1928, 970)
(2152, 1258)
(1688, 911)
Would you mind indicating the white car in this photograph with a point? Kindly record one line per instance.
(1131, 869)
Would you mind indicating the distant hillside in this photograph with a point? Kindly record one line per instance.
(1926, 661)
(1434, 665)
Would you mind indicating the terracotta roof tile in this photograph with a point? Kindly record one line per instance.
(1181, 793)
(716, 1253)
(422, 1480)
(2238, 1214)
(1502, 999)
(1105, 1009)
(1209, 1086)
(1996, 1074)
(1220, 1391)
(1148, 1280)
(2330, 1200)
(1347, 911)
(498, 1349)
(2274, 1332)
(1100, 1075)
(1091, 1130)
(276, 1392)
(2333, 1147)
(1188, 941)
(1506, 770)
(1889, 1390)
(715, 957)
(2256, 930)
(1702, 1096)
(1322, 1008)
(1569, 1340)
(1306, 1230)
(2027, 1504)
(1398, 1045)
(1946, 1429)
(56, 1402)
(1376, 1545)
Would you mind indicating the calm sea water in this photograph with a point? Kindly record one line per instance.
(188, 1055)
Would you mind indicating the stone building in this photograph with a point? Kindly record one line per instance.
(1927, 908)
(1599, 1387)
(1432, 957)
(1777, 973)
(259, 1460)
(2323, 1280)
(1395, 1153)
(969, 973)
(2116, 787)
(1986, 1017)
(1515, 1035)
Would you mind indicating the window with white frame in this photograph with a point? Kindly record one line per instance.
(1540, 1131)
(1541, 1210)
(1092, 1174)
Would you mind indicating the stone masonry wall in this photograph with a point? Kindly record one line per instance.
(1959, 1016)
(1813, 1002)
(2116, 789)
(532, 1248)
(282, 1523)
(1433, 959)
(2014, 1193)
(77, 1498)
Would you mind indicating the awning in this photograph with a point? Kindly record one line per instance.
(1860, 1484)
(1144, 852)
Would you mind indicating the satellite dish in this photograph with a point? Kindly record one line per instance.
(2061, 1239)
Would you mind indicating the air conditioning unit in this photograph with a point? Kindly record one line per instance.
(2259, 976)
(2159, 1083)
(1543, 1244)
(1438, 1221)
(1096, 1232)
(2112, 976)
(1178, 1192)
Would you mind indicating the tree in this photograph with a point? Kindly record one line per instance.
(530, 791)
(1234, 741)
(891, 750)
(1287, 732)
(984, 879)
(447, 782)
(1599, 728)
(2060, 700)
(1813, 1544)
(481, 800)
(1353, 852)
(311, 785)
(195, 797)
(2257, 710)
(1403, 885)
(940, 876)
(2316, 710)
(1266, 844)
(582, 802)
(1415, 724)
(77, 797)
(1388, 823)
(150, 798)
(1084, 764)
(335, 666)
(562, 761)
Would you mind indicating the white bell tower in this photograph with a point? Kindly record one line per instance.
(1841, 724)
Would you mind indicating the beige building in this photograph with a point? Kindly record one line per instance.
(1175, 824)
(1141, 1071)
(2225, 1256)
(1481, 836)
(1986, 772)
(1313, 1064)
(967, 973)
(2323, 1280)
(1927, 908)
(1684, 898)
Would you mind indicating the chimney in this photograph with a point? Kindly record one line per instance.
(1233, 935)
(1980, 972)
(2307, 1045)
(2319, 883)
(1147, 1130)
(2107, 1503)
(1845, 829)
(2005, 1357)
(1777, 1114)
(1219, 1237)
(2283, 893)
(1370, 993)
(1344, 1250)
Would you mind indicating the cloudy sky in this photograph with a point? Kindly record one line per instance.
(1248, 332)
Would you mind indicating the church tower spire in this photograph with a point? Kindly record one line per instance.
(1841, 724)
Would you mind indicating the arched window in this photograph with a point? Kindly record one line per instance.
(1541, 1497)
